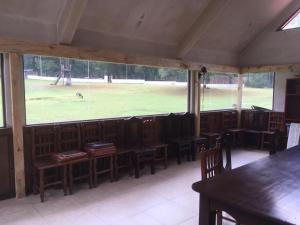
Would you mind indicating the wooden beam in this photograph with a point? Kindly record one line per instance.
(199, 28)
(69, 20)
(23, 47)
(271, 68)
(18, 119)
(196, 80)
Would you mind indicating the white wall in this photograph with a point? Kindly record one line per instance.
(279, 89)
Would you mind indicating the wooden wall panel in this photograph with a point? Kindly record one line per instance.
(7, 184)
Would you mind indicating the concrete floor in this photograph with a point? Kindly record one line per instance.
(164, 198)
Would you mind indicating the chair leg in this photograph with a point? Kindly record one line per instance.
(35, 191)
(137, 166)
(153, 165)
(111, 168)
(130, 164)
(178, 155)
(95, 175)
(64, 178)
(42, 185)
(219, 218)
(91, 183)
(71, 179)
(166, 157)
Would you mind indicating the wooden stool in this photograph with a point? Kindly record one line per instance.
(98, 151)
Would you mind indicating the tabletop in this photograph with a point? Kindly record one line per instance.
(268, 188)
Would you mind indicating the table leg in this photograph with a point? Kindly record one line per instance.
(206, 216)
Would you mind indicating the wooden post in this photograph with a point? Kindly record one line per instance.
(240, 97)
(18, 119)
(196, 80)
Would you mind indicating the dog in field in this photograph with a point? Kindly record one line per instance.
(79, 95)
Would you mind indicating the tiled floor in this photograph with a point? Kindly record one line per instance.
(163, 198)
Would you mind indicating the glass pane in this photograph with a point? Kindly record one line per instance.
(93, 90)
(219, 91)
(294, 22)
(258, 90)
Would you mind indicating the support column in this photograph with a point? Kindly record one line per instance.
(196, 96)
(240, 97)
(17, 119)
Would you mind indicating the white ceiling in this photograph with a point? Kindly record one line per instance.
(157, 27)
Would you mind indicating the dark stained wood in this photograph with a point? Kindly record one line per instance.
(265, 192)
(292, 100)
(7, 184)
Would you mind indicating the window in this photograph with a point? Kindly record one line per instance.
(293, 22)
(258, 90)
(219, 91)
(60, 89)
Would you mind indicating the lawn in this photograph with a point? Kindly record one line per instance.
(48, 103)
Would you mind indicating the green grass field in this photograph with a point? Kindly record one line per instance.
(47, 103)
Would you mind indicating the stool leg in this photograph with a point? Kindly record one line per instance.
(111, 169)
(130, 160)
(153, 165)
(71, 179)
(65, 182)
(116, 166)
(42, 185)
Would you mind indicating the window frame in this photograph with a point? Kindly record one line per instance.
(287, 21)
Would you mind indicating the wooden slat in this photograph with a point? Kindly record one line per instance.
(25, 47)
(18, 120)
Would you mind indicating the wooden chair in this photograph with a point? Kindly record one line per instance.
(69, 146)
(181, 145)
(141, 155)
(212, 165)
(230, 125)
(46, 171)
(102, 155)
(210, 127)
(276, 127)
(151, 139)
(112, 133)
(188, 132)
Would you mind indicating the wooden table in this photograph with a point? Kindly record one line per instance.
(265, 192)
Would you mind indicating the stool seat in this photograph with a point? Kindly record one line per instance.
(98, 149)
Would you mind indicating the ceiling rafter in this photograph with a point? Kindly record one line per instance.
(271, 27)
(198, 29)
(69, 20)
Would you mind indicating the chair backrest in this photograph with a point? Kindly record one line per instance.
(133, 132)
(149, 131)
(187, 125)
(90, 132)
(172, 126)
(43, 142)
(110, 132)
(211, 162)
(276, 121)
(69, 137)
